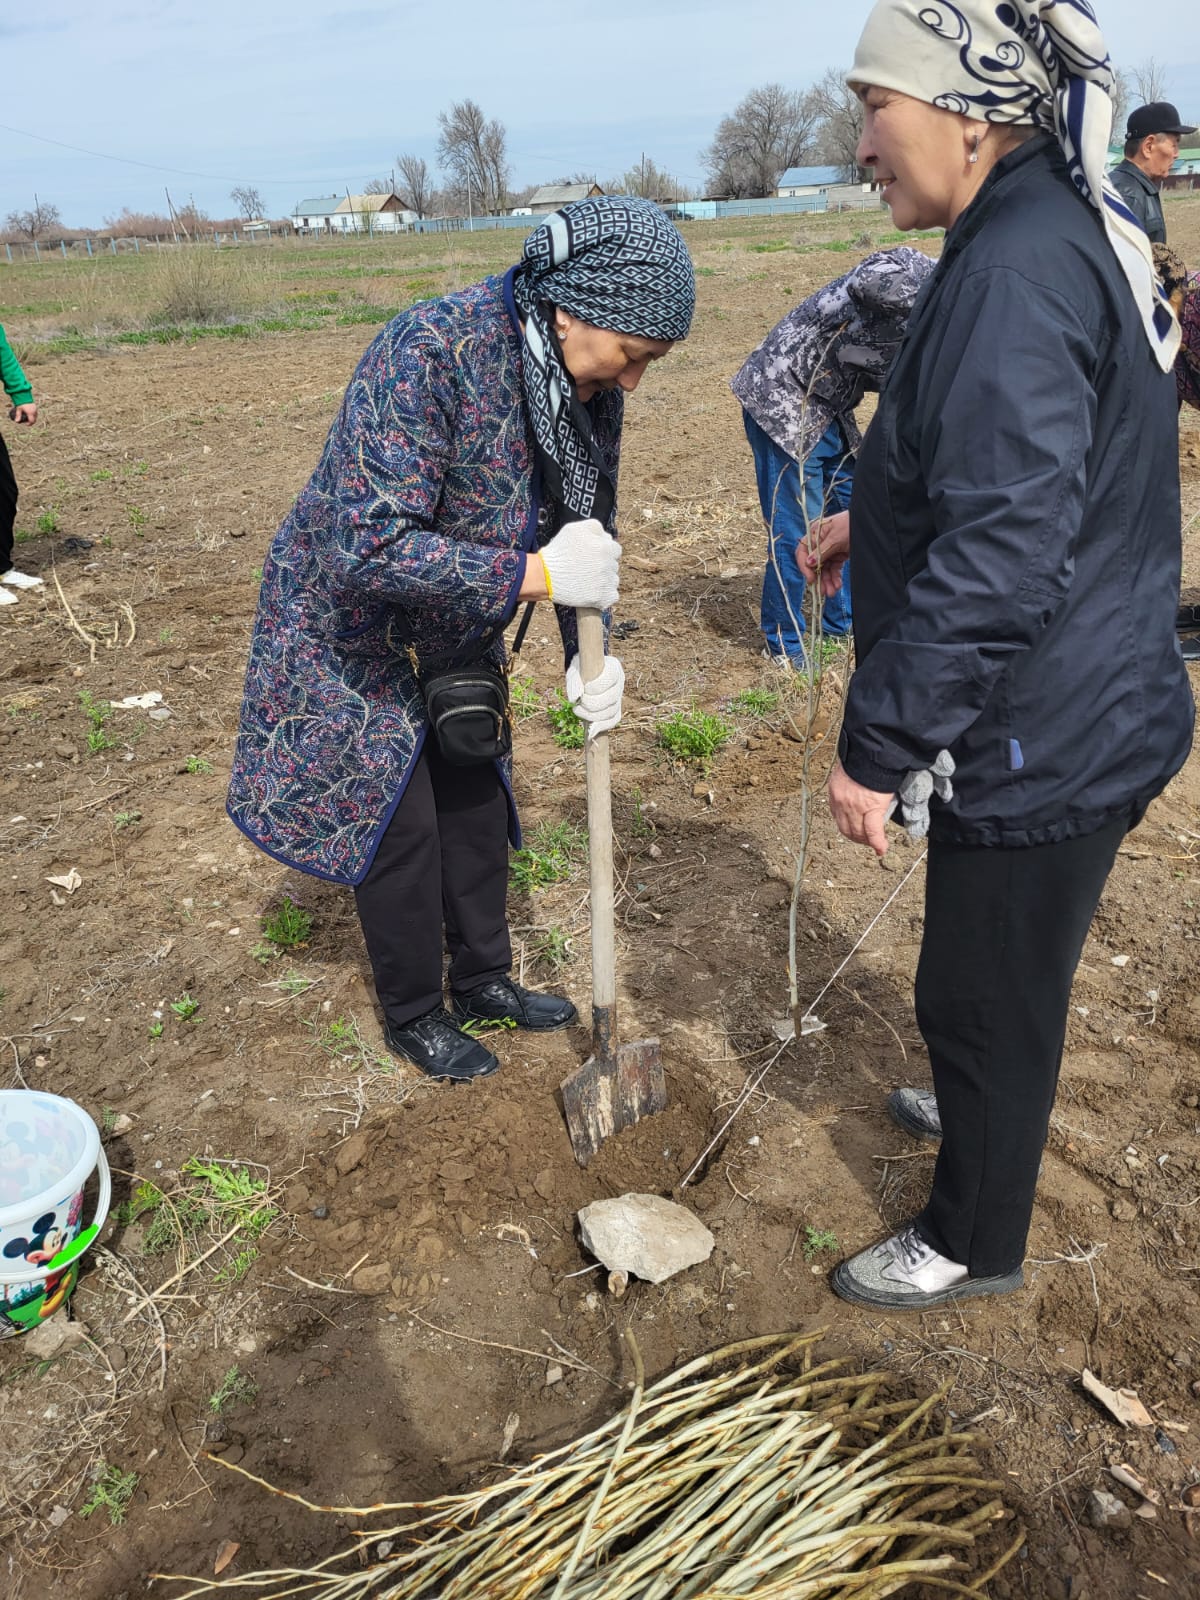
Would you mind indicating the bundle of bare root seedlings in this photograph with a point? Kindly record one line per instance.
(751, 1472)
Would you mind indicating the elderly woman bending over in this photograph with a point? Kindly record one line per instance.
(1015, 531)
(472, 466)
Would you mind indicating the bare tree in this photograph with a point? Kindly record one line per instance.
(378, 186)
(1122, 100)
(473, 150)
(1149, 80)
(415, 186)
(772, 129)
(841, 122)
(41, 218)
(248, 201)
(650, 181)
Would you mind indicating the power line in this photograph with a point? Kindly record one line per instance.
(151, 166)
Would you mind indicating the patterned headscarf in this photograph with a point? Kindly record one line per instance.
(1039, 62)
(618, 263)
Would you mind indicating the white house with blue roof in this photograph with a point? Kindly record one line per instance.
(797, 181)
(316, 215)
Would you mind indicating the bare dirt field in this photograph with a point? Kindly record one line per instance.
(396, 1293)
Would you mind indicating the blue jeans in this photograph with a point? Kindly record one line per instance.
(828, 478)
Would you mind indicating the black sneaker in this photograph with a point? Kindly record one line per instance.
(439, 1049)
(916, 1111)
(502, 1000)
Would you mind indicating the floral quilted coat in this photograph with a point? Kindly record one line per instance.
(413, 529)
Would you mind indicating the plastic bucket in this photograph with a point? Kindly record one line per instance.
(49, 1148)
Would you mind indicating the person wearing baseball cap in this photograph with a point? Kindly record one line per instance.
(1152, 137)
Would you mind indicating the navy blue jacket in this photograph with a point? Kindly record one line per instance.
(1016, 531)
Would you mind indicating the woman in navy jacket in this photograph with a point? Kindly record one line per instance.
(1015, 529)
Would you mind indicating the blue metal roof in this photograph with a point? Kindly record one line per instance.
(809, 177)
(320, 207)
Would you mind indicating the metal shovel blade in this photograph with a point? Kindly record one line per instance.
(607, 1094)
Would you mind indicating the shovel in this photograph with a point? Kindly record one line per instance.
(619, 1083)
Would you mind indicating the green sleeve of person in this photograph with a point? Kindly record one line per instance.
(16, 384)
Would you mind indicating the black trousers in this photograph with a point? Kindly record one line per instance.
(1004, 930)
(442, 862)
(8, 507)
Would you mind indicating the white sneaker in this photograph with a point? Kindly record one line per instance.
(905, 1273)
(7, 597)
(21, 580)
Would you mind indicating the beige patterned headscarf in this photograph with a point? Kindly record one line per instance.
(1033, 62)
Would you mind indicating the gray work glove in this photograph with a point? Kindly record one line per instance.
(912, 797)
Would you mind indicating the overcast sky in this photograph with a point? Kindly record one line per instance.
(298, 98)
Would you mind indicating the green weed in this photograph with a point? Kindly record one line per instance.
(550, 856)
(693, 735)
(137, 518)
(111, 1492)
(288, 926)
(185, 1008)
(477, 1025)
(524, 698)
(818, 1240)
(156, 1029)
(48, 521)
(103, 475)
(97, 713)
(198, 764)
(554, 948)
(569, 732)
(755, 702)
(234, 1389)
(126, 819)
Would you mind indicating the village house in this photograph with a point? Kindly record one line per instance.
(372, 213)
(314, 216)
(553, 195)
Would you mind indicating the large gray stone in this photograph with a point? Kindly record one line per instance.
(645, 1235)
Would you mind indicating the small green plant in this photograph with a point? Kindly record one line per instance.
(137, 518)
(165, 635)
(97, 713)
(138, 469)
(343, 1041)
(48, 521)
(126, 819)
(264, 952)
(198, 764)
(238, 1265)
(819, 1240)
(524, 699)
(288, 926)
(219, 1199)
(755, 702)
(234, 1389)
(569, 732)
(549, 857)
(554, 948)
(693, 735)
(477, 1025)
(102, 475)
(185, 1008)
(112, 1491)
(146, 1197)
(108, 1120)
(156, 1029)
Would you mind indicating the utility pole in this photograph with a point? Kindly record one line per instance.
(470, 213)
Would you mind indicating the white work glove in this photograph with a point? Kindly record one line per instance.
(581, 562)
(912, 797)
(597, 703)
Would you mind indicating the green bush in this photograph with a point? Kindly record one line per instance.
(693, 735)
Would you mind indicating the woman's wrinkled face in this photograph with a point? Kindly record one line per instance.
(599, 359)
(920, 155)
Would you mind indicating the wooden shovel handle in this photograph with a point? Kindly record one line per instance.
(600, 848)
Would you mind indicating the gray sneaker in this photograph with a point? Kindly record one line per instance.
(904, 1273)
(916, 1111)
